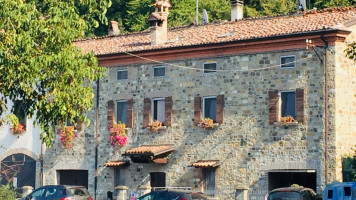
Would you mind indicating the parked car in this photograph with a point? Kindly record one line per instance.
(59, 192)
(340, 191)
(292, 193)
(173, 194)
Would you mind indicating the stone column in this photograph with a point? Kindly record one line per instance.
(26, 190)
(121, 192)
(144, 190)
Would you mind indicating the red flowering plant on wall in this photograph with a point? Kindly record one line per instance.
(16, 126)
(118, 135)
(67, 136)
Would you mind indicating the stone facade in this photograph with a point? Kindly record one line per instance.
(247, 146)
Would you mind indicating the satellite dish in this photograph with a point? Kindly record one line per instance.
(205, 17)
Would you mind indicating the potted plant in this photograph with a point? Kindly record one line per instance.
(118, 136)
(155, 126)
(287, 120)
(207, 123)
(67, 134)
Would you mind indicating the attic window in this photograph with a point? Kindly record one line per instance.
(227, 34)
(288, 61)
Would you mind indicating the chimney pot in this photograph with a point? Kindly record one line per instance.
(236, 10)
(114, 28)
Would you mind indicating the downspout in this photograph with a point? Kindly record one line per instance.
(326, 110)
(96, 139)
(41, 164)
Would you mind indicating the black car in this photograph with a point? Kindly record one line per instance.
(173, 194)
(59, 192)
(292, 193)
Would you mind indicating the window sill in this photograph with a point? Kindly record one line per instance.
(214, 126)
(286, 123)
(158, 129)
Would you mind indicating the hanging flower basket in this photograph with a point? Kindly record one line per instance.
(67, 134)
(17, 129)
(118, 136)
(155, 126)
(207, 123)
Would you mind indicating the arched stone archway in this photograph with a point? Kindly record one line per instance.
(20, 167)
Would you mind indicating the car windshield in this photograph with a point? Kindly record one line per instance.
(288, 195)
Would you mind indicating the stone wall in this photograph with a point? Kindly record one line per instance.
(247, 146)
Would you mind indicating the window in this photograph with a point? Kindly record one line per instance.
(288, 61)
(38, 193)
(20, 111)
(330, 194)
(121, 111)
(51, 192)
(122, 75)
(209, 181)
(159, 71)
(347, 191)
(119, 177)
(209, 107)
(288, 103)
(209, 68)
(158, 109)
(149, 196)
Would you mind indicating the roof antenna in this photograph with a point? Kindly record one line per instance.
(205, 17)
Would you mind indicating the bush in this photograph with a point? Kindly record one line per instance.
(7, 192)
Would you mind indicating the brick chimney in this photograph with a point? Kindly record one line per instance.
(237, 8)
(113, 28)
(158, 22)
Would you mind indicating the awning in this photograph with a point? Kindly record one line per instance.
(150, 153)
(119, 163)
(206, 163)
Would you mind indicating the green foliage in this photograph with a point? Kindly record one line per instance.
(7, 192)
(332, 3)
(39, 64)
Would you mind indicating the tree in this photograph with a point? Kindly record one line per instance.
(39, 65)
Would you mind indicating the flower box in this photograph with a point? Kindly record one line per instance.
(118, 136)
(287, 121)
(208, 123)
(156, 126)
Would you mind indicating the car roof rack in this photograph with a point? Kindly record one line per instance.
(170, 188)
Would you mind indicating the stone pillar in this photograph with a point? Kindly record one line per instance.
(121, 192)
(26, 190)
(144, 190)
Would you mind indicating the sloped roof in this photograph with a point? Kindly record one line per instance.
(150, 149)
(206, 163)
(218, 32)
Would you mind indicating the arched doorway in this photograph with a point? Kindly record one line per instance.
(19, 170)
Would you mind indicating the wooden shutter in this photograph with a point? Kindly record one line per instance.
(197, 110)
(168, 103)
(111, 114)
(220, 109)
(299, 105)
(130, 114)
(79, 125)
(146, 112)
(273, 106)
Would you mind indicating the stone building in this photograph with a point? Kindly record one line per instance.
(247, 75)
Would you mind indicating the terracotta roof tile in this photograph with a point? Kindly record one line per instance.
(327, 19)
(150, 149)
(206, 163)
(115, 163)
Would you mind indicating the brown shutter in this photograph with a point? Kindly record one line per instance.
(111, 114)
(146, 112)
(197, 110)
(79, 125)
(168, 103)
(220, 109)
(129, 122)
(273, 106)
(299, 105)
